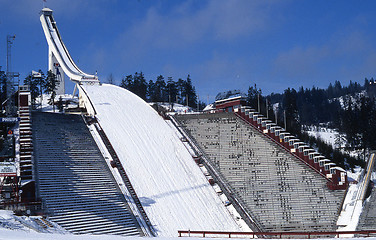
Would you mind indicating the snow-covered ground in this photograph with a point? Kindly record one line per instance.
(329, 136)
(173, 107)
(43, 105)
(26, 225)
(174, 192)
(351, 210)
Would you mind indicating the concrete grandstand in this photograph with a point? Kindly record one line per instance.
(283, 193)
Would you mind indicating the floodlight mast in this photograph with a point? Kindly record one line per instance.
(10, 78)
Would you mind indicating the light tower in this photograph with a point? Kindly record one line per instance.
(10, 110)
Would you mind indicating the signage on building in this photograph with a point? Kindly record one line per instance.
(36, 74)
(7, 169)
(10, 119)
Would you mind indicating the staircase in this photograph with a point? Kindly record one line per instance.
(74, 181)
(26, 145)
(367, 219)
(124, 177)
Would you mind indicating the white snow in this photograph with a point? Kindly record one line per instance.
(26, 224)
(176, 107)
(42, 102)
(328, 135)
(173, 190)
(351, 210)
(209, 108)
(118, 179)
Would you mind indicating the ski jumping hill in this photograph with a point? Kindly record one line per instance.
(172, 189)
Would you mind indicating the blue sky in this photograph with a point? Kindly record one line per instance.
(222, 44)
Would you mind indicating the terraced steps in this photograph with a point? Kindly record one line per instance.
(74, 180)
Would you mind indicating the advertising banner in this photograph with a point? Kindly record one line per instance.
(7, 169)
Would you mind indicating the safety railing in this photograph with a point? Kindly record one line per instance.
(219, 234)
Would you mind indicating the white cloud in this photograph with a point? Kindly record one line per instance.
(29, 9)
(187, 24)
(346, 55)
(299, 61)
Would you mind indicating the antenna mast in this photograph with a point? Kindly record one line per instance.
(10, 78)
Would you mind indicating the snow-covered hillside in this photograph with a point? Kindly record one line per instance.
(328, 135)
(173, 190)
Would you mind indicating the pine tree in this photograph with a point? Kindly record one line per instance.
(367, 124)
(41, 82)
(151, 96)
(180, 87)
(189, 93)
(253, 97)
(291, 111)
(172, 90)
(350, 124)
(127, 83)
(33, 86)
(51, 86)
(110, 79)
(140, 86)
(161, 94)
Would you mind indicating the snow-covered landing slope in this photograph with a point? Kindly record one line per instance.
(172, 189)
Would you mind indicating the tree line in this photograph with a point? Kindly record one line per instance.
(40, 83)
(351, 110)
(181, 91)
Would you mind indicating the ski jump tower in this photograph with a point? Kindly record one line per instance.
(59, 59)
(55, 67)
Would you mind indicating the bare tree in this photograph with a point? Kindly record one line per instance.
(110, 79)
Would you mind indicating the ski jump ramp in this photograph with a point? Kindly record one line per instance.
(173, 190)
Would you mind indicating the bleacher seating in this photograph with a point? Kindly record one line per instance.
(282, 192)
(74, 180)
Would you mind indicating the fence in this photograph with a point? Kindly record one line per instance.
(212, 234)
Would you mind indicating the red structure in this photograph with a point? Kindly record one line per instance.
(229, 104)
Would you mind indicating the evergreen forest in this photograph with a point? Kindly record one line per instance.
(350, 110)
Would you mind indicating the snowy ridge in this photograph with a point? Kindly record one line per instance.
(172, 189)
